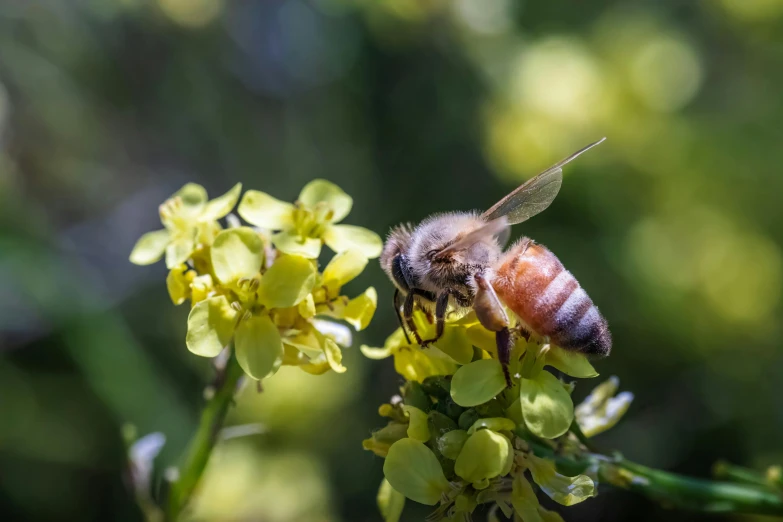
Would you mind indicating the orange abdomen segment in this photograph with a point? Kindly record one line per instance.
(535, 285)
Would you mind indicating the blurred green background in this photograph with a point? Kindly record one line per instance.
(674, 225)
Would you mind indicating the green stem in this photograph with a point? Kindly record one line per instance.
(673, 490)
(200, 448)
(724, 470)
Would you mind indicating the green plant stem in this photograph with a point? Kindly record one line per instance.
(200, 448)
(673, 490)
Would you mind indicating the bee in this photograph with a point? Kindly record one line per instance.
(457, 259)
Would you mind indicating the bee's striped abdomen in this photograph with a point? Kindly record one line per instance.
(535, 285)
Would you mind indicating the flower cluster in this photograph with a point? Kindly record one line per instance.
(457, 437)
(260, 287)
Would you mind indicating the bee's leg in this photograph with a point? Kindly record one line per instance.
(441, 305)
(503, 341)
(399, 316)
(490, 313)
(407, 313)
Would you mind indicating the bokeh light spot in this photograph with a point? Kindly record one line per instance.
(666, 74)
(559, 77)
(191, 13)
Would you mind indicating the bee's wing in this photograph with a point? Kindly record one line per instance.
(496, 227)
(535, 195)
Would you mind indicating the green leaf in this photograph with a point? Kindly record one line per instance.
(570, 363)
(390, 502)
(237, 253)
(328, 194)
(563, 490)
(450, 444)
(180, 248)
(494, 424)
(287, 282)
(546, 405)
(417, 426)
(413, 469)
(484, 456)
(210, 326)
(455, 343)
(289, 242)
(262, 210)
(524, 499)
(477, 382)
(258, 346)
(348, 237)
(150, 247)
(343, 267)
(222, 205)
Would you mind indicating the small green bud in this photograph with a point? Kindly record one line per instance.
(438, 386)
(449, 408)
(468, 418)
(413, 395)
(439, 423)
(413, 469)
(450, 444)
(492, 408)
(485, 455)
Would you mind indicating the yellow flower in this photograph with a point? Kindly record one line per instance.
(190, 221)
(304, 226)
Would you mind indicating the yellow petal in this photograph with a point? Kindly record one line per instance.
(333, 355)
(262, 210)
(259, 349)
(150, 247)
(329, 194)
(178, 284)
(292, 243)
(343, 268)
(237, 253)
(179, 249)
(348, 237)
(210, 326)
(287, 282)
(222, 205)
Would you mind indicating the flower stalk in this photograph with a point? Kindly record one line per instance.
(200, 448)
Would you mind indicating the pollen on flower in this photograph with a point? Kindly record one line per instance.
(263, 294)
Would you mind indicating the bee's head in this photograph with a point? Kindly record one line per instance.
(397, 242)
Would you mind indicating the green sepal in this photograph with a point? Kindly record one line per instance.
(563, 490)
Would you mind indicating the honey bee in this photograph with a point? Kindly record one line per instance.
(457, 259)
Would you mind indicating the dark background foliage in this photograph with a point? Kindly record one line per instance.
(412, 106)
